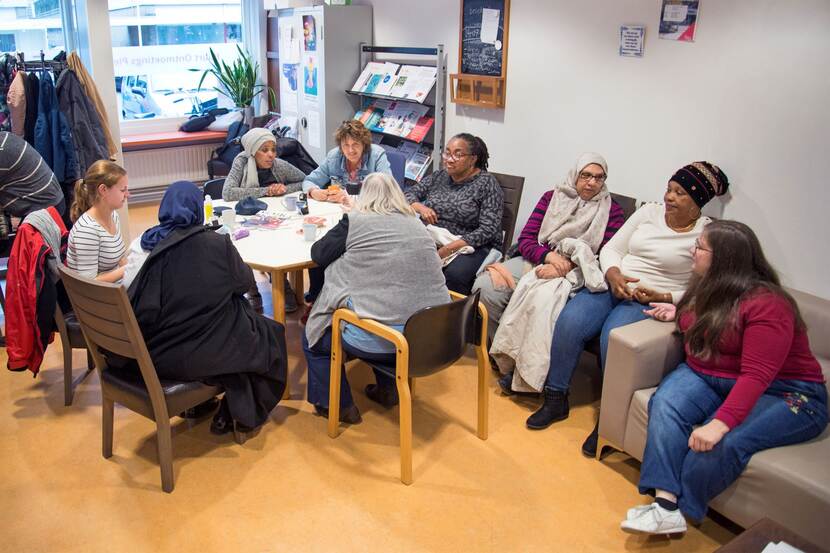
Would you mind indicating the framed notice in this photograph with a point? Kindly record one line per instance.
(678, 20)
(632, 40)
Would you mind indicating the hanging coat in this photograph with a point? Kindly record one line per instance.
(188, 301)
(6, 75)
(16, 98)
(87, 132)
(32, 97)
(53, 138)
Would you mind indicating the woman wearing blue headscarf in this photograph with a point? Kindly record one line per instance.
(188, 300)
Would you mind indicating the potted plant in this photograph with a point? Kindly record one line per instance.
(238, 81)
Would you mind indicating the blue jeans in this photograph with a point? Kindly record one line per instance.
(318, 360)
(583, 317)
(788, 412)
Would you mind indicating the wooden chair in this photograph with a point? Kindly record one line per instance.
(71, 338)
(433, 339)
(109, 325)
(512, 187)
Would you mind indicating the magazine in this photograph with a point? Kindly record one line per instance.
(414, 82)
(417, 166)
(371, 69)
(387, 80)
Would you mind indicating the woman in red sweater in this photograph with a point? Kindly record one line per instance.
(749, 381)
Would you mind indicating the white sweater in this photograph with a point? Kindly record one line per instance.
(646, 248)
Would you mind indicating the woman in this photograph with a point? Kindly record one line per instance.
(354, 157)
(465, 200)
(749, 382)
(648, 260)
(566, 216)
(380, 231)
(197, 325)
(257, 171)
(96, 248)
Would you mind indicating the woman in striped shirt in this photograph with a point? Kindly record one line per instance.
(96, 248)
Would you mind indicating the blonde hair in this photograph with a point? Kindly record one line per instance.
(381, 194)
(86, 190)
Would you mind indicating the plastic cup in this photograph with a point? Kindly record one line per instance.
(229, 218)
(290, 203)
(309, 232)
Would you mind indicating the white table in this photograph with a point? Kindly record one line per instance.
(283, 250)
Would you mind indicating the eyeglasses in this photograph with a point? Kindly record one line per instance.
(457, 156)
(699, 247)
(586, 176)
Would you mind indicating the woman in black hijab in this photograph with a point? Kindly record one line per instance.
(188, 300)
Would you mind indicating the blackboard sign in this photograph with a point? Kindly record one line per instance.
(482, 39)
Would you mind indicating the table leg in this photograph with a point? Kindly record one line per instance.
(278, 302)
(296, 278)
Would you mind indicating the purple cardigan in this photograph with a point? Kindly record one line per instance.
(529, 245)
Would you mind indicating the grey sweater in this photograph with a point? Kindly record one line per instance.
(26, 182)
(235, 183)
(390, 270)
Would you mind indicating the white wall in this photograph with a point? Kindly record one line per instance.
(751, 95)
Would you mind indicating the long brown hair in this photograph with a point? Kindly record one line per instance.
(86, 190)
(738, 268)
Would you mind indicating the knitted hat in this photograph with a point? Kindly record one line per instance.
(702, 181)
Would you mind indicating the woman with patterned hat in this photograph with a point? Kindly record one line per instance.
(648, 260)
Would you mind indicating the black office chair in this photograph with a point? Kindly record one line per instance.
(213, 188)
(433, 339)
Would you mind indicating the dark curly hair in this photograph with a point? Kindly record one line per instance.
(477, 148)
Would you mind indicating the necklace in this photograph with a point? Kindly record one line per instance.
(687, 228)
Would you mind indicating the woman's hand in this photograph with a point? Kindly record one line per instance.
(561, 263)
(661, 311)
(618, 283)
(318, 194)
(646, 295)
(706, 437)
(444, 251)
(427, 215)
(546, 271)
(276, 189)
(336, 196)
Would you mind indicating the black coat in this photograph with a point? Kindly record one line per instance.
(188, 300)
(32, 97)
(87, 131)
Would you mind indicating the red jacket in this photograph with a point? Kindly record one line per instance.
(30, 297)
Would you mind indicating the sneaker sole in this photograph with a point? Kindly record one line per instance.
(657, 533)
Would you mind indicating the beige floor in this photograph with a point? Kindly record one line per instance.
(294, 489)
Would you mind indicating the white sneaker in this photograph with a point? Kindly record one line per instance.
(654, 519)
(634, 512)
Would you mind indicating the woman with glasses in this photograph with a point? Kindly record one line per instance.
(648, 260)
(466, 201)
(749, 381)
(578, 205)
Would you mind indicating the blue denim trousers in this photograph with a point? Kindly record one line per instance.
(318, 360)
(585, 316)
(788, 412)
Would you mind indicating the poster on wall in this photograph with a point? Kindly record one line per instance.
(309, 33)
(678, 20)
(310, 76)
(288, 87)
(632, 40)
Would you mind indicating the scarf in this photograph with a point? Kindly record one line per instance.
(251, 142)
(569, 216)
(181, 207)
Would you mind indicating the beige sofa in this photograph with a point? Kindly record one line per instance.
(790, 485)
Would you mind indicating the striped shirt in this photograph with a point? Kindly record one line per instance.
(529, 245)
(26, 181)
(92, 250)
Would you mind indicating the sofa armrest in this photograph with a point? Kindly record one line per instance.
(639, 355)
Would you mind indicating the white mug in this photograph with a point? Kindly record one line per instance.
(309, 232)
(290, 203)
(229, 218)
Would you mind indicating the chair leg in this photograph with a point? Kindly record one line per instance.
(90, 362)
(296, 278)
(335, 370)
(405, 402)
(602, 443)
(67, 374)
(165, 450)
(108, 406)
(483, 392)
(412, 386)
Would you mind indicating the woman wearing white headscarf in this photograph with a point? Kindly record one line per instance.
(257, 171)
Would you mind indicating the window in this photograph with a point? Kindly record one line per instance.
(29, 26)
(160, 50)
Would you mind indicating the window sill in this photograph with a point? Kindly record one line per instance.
(169, 139)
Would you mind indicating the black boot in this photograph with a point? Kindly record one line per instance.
(589, 446)
(290, 298)
(555, 408)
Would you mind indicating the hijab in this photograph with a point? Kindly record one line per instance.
(251, 142)
(181, 207)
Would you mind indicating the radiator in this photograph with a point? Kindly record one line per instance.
(158, 168)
